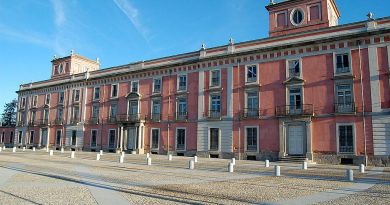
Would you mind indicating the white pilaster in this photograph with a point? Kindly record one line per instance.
(230, 92)
(374, 79)
(201, 95)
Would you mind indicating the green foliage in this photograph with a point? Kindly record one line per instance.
(8, 117)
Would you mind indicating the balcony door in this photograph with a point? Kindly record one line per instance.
(44, 136)
(295, 106)
(131, 136)
(296, 140)
(344, 98)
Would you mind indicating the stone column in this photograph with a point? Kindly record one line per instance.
(121, 138)
(309, 152)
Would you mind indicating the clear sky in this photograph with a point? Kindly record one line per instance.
(123, 31)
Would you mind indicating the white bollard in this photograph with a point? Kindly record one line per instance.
(33, 149)
(277, 170)
(24, 149)
(267, 163)
(72, 155)
(101, 152)
(234, 161)
(196, 159)
(14, 149)
(191, 164)
(123, 154)
(304, 165)
(1, 149)
(147, 155)
(361, 168)
(47, 149)
(51, 153)
(230, 167)
(62, 150)
(121, 159)
(149, 161)
(349, 174)
(169, 157)
(97, 157)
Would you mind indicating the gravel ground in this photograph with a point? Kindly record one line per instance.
(40, 179)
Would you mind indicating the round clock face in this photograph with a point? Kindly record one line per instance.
(297, 17)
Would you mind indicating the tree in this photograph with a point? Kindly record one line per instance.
(9, 113)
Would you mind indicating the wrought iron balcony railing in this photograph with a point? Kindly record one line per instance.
(295, 110)
(181, 116)
(248, 113)
(57, 121)
(93, 121)
(213, 114)
(129, 118)
(155, 117)
(345, 107)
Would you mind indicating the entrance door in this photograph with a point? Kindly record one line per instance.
(132, 133)
(44, 137)
(295, 140)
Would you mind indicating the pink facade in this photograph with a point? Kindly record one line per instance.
(297, 94)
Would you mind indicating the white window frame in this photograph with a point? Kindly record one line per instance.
(151, 139)
(353, 138)
(152, 105)
(341, 52)
(55, 137)
(132, 85)
(154, 81)
(211, 101)
(292, 17)
(246, 97)
(178, 82)
(257, 140)
(219, 77)
(319, 11)
(59, 97)
(23, 103)
(185, 138)
(257, 74)
(97, 133)
(47, 96)
(110, 110)
(117, 90)
(295, 87)
(108, 138)
(94, 93)
(219, 139)
(288, 67)
(74, 95)
(95, 105)
(35, 101)
(285, 18)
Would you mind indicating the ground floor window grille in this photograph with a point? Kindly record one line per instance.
(346, 138)
(181, 137)
(251, 139)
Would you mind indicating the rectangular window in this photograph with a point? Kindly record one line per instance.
(215, 106)
(281, 20)
(58, 138)
(96, 93)
(76, 114)
(74, 137)
(251, 139)
(20, 137)
(155, 138)
(156, 109)
(295, 99)
(294, 68)
(93, 138)
(180, 139)
(33, 116)
(114, 90)
(11, 137)
(215, 78)
(252, 107)
(32, 137)
(60, 113)
(61, 96)
(113, 112)
(134, 86)
(23, 104)
(46, 116)
(214, 139)
(111, 139)
(182, 84)
(251, 74)
(182, 108)
(95, 111)
(344, 98)
(346, 138)
(157, 85)
(76, 95)
(35, 101)
(47, 99)
(342, 63)
(2, 137)
(315, 12)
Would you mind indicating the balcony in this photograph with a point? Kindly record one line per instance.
(93, 121)
(294, 110)
(74, 121)
(130, 118)
(213, 114)
(250, 113)
(155, 117)
(20, 123)
(57, 121)
(42, 122)
(345, 108)
(112, 120)
(181, 116)
(32, 123)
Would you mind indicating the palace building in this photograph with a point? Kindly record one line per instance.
(313, 89)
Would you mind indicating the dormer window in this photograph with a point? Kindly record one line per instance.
(342, 63)
(251, 74)
(294, 68)
(297, 17)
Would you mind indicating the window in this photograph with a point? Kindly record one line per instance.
(32, 137)
(114, 90)
(315, 12)
(134, 86)
(215, 78)
(60, 113)
(46, 115)
(11, 137)
(35, 101)
(214, 139)
(252, 109)
(294, 69)
(215, 107)
(251, 139)
(182, 83)
(93, 138)
(295, 99)
(58, 137)
(157, 85)
(33, 116)
(20, 137)
(76, 114)
(74, 138)
(2, 137)
(113, 111)
(251, 74)
(23, 104)
(344, 98)
(76, 95)
(60, 68)
(96, 93)
(95, 111)
(61, 97)
(346, 138)
(297, 17)
(181, 108)
(342, 63)
(133, 107)
(155, 138)
(180, 138)
(281, 19)
(47, 99)
(111, 139)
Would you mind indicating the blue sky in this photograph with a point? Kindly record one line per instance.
(123, 31)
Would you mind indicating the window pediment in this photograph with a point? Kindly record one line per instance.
(294, 80)
(133, 95)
